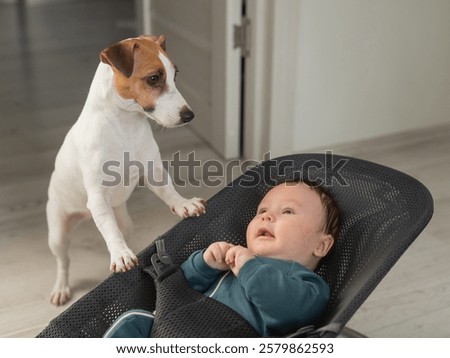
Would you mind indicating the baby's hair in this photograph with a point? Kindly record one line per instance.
(331, 222)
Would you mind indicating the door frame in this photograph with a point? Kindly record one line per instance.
(226, 70)
(270, 78)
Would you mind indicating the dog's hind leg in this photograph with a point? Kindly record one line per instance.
(59, 225)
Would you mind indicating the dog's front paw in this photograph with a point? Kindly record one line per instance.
(123, 261)
(189, 207)
(60, 295)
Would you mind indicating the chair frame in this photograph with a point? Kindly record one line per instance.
(382, 212)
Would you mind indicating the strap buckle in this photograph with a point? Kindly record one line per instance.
(162, 264)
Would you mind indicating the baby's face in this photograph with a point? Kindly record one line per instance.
(288, 224)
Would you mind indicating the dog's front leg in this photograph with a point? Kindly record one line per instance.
(122, 258)
(159, 181)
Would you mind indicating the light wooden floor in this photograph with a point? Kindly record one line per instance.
(47, 59)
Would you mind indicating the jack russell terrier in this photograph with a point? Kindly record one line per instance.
(134, 81)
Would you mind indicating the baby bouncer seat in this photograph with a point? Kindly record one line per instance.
(382, 212)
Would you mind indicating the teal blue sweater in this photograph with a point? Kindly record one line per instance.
(274, 296)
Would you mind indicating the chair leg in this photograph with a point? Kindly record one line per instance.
(350, 333)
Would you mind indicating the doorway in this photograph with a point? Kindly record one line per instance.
(201, 42)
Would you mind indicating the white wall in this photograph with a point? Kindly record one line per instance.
(367, 68)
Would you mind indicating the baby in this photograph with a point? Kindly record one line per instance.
(271, 283)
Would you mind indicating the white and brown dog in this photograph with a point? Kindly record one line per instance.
(134, 81)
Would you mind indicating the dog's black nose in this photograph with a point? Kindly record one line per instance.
(187, 115)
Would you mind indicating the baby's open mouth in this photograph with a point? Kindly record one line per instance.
(264, 232)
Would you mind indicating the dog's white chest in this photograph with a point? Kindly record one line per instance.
(133, 156)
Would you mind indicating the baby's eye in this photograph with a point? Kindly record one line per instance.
(262, 211)
(288, 211)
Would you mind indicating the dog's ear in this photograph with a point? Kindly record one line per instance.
(120, 56)
(161, 41)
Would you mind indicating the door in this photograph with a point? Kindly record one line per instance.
(199, 40)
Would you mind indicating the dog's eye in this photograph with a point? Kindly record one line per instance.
(153, 80)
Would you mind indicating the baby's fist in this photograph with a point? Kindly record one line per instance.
(236, 257)
(215, 254)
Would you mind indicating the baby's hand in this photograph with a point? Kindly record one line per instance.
(214, 255)
(236, 257)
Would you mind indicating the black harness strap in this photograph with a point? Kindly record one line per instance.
(182, 312)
